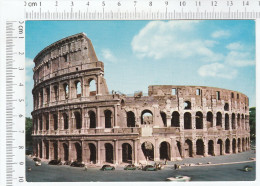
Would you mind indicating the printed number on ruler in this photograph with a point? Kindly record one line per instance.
(142, 9)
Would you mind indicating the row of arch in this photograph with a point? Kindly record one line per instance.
(221, 147)
(62, 92)
(237, 120)
(65, 120)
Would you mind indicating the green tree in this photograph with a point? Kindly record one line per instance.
(252, 122)
(28, 131)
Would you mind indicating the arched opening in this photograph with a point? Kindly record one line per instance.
(209, 120)
(55, 151)
(40, 120)
(163, 116)
(78, 152)
(187, 105)
(130, 119)
(175, 121)
(232, 95)
(242, 121)
(66, 90)
(200, 147)
(65, 121)
(226, 122)
(227, 145)
(55, 121)
(40, 146)
(211, 148)
(187, 120)
(148, 150)
(78, 88)
(108, 119)
(188, 148)
(147, 117)
(41, 97)
(239, 144)
(56, 93)
(48, 94)
(77, 116)
(127, 153)
(46, 150)
(92, 87)
(109, 153)
(219, 119)
(234, 145)
(226, 107)
(93, 153)
(243, 144)
(165, 151)
(92, 119)
(65, 152)
(47, 121)
(233, 121)
(179, 147)
(199, 120)
(238, 120)
(220, 146)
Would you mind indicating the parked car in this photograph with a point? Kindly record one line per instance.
(38, 163)
(77, 164)
(247, 168)
(55, 162)
(150, 168)
(36, 159)
(179, 178)
(107, 167)
(130, 167)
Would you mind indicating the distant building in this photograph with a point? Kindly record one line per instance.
(74, 120)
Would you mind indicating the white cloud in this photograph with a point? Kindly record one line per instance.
(173, 39)
(108, 55)
(235, 46)
(217, 70)
(220, 34)
(239, 59)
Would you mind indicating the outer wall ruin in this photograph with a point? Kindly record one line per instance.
(76, 118)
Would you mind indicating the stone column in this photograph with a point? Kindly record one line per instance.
(115, 116)
(194, 148)
(115, 152)
(98, 125)
(59, 149)
(173, 152)
(98, 85)
(204, 122)
(120, 158)
(168, 120)
(156, 151)
(98, 152)
(83, 119)
(70, 90)
(84, 151)
(230, 122)
(193, 121)
(223, 120)
(182, 147)
(59, 123)
(135, 151)
(214, 120)
(181, 121)
(205, 141)
(43, 150)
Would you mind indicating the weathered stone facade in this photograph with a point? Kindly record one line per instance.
(72, 121)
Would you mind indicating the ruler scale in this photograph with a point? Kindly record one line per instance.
(84, 10)
(15, 111)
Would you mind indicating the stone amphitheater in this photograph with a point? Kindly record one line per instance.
(75, 117)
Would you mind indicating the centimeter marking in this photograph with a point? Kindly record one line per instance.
(141, 9)
(15, 131)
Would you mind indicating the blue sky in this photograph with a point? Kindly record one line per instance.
(136, 54)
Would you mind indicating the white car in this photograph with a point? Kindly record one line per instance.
(179, 178)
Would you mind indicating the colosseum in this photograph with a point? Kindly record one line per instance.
(75, 117)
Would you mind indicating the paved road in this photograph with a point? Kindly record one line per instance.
(231, 172)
